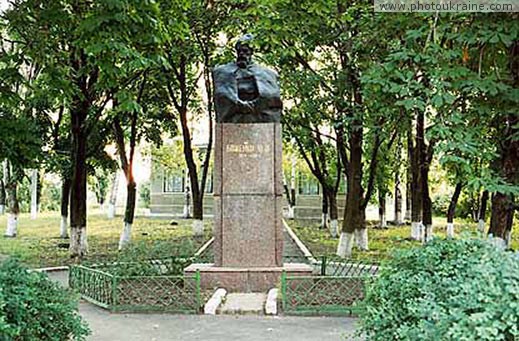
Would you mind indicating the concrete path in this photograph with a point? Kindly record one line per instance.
(163, 327)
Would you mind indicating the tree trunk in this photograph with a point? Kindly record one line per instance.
(2, 197)
(324, 208)
(34, 194)
(293, 182)
(11, 184)
(452, 208)
(65, 199)
(196, 193)
(409, 178)
(40, 177)
(187, 203)
(501, 219)
(129, 213)
(290, 214)
(427, 224)
(112, 201)
(482, 212)
(291, 192)
(416, 191)
(398, 201)
(78, 190)
(354, 222)
(382, 219)
(503, 205)
(334, 214)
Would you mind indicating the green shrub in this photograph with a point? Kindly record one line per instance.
(153, 258)
(50, 197)
(145, 194)
(32, 307)
(447, 290)
(440, 204)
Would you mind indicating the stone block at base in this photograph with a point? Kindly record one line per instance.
(245, 279)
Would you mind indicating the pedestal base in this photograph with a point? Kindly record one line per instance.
(245, 279)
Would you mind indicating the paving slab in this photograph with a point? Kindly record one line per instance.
(168, 327)
(244, 303)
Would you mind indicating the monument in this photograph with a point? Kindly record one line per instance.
(248, 228)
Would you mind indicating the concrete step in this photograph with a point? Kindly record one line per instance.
(244, 304)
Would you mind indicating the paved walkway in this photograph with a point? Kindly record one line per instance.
(165, 327)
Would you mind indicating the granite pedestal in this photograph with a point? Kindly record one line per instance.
(248, 230)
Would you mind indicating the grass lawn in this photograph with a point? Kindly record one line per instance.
(38, 243)
(381, 241)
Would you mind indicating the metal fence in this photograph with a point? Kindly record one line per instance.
(179, 294)
(336, 288)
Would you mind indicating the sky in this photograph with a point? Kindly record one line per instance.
(3, 4)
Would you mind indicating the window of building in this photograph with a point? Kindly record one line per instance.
(308, 185)
(173, 181)
(209, 182)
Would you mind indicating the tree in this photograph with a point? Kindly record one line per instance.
(20, 130)
(2, 195)
(83, 47)
(189, 48)
(332, 50)
(503, 207)
(140, 117)
(319, 151)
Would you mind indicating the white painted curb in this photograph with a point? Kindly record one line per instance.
(215, 301)
(204, 247)
(271, 305)
(299, 243)
(52, 269)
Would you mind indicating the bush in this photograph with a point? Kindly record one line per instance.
(32, 307)
(154, 259)
(145, 194)
(51, 197)
(446, 290)
(440, 204)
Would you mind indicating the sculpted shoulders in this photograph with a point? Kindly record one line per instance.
(225, 68)
(270, 73)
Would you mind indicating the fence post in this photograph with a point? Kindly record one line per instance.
(283, 290)
(114, 293)
(323, 266)
(70, 277)
(198, 289)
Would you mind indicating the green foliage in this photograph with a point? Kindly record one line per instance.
(440, 204)
(462, 289)
(50, 197)
(33, 308)
(145, 194)
(20, 139)
(99, 182)
(154, 258)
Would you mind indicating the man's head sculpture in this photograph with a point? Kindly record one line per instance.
(246, 92)
(244, 51)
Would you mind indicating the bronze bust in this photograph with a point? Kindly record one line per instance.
(246, 92)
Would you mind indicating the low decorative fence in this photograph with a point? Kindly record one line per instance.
(178, 294)
(337, 288)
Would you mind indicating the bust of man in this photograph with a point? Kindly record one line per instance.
(245, 92)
